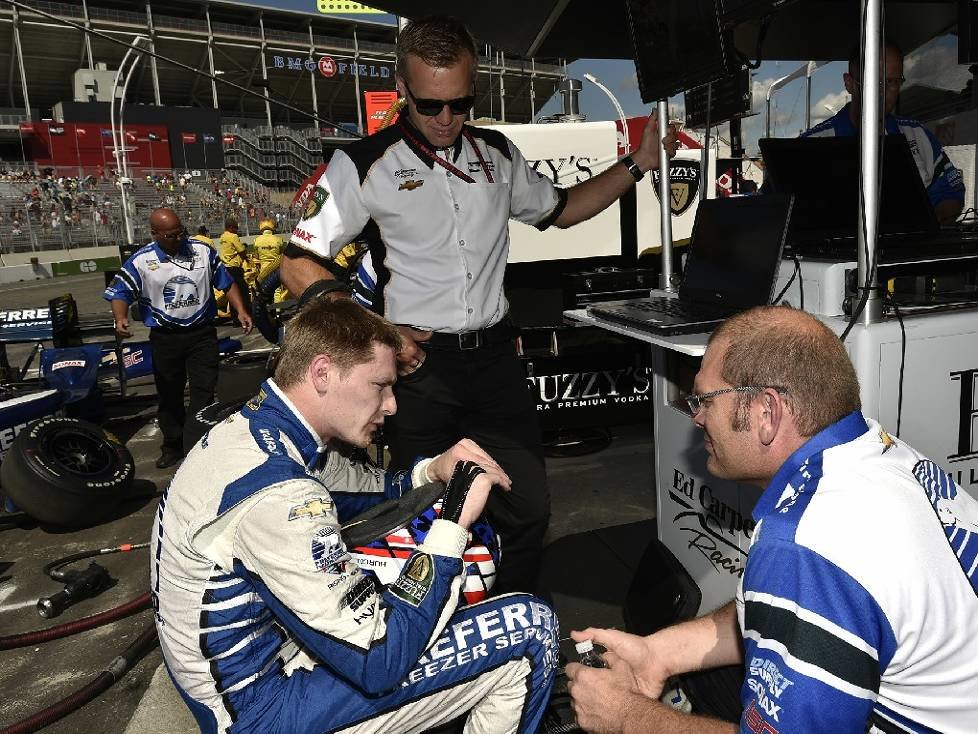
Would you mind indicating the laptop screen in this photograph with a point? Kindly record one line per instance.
(823, 175)
(735, 251)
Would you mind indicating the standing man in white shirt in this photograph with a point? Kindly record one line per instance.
(434, 197)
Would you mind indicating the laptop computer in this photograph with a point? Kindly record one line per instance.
(823, 176)
(732, 265)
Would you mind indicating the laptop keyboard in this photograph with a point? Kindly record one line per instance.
(671, 306)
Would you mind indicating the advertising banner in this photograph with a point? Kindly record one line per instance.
(567, 154)
(377, 104)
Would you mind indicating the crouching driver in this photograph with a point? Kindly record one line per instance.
(265, 623)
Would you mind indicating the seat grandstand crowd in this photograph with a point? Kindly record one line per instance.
(58, 208)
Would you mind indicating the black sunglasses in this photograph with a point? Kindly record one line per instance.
(432, 107)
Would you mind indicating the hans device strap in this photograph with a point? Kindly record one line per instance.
(322, 287)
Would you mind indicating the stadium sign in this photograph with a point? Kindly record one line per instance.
(329, 67)
(336, 7)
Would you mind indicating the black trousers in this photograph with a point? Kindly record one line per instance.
(481, 394)
(177, 356)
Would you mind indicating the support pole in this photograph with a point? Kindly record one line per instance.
(705, 154)
(264, 73)
(20, 63)
(152, 59)
(210, 57)
(533, 93)
(312, 78)
(665, 199)
(88, 40)
(356, 80)
(870, 139)
(502, 87)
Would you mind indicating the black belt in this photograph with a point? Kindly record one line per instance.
(183, 329)
(498, 333)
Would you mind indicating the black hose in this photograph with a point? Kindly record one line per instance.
(11, 642)
(53, 569)
(115, 670)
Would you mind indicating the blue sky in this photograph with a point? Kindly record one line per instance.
(934, 64)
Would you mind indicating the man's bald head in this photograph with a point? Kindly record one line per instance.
(164, 219)
(773, 345)
(167, 228)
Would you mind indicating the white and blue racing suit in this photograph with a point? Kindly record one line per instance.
(266, 625)
(859, 602)
(941, 178)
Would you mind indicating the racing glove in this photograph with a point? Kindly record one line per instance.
(458, 489)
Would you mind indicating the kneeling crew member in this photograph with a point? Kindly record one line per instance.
(265, 622)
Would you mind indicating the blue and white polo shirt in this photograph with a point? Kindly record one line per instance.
(174, 292)
(941, 178)
(859, 602)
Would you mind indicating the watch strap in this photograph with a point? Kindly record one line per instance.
(632, 167)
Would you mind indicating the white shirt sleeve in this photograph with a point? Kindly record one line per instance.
(534, 196)
(335, 213)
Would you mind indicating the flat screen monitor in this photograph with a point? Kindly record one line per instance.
(823, 176)
(677, 45)
(726, 98)
(735, 250)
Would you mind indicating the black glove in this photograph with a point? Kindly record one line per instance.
(458, 489)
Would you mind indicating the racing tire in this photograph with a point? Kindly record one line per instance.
(240, 375)
(208, 417)
(67, 471)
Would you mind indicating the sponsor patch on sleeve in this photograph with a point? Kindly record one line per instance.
(315, 204)
(413, 584)
(329, 555)
(318, 507)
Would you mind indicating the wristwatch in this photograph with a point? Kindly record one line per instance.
(632, 167)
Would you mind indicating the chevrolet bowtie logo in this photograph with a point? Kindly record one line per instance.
(410, 185)
(318, 507)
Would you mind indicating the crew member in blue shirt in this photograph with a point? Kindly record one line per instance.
(173, 279)
(944, 183)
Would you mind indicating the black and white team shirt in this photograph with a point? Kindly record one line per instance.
(859, 602)
(438, 243)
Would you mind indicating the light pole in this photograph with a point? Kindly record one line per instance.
(618, 109)
(120, 160)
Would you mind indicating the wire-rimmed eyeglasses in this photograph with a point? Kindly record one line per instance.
(696, 400)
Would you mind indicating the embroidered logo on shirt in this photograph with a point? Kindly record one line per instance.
(303, 235)
(316, 201)
(413, 584)
(411, 185)
(180, 291)
(319, 507)
(255, 402)
(329, 555)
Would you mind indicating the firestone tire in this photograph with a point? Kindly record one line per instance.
(208, 417)
(67, 471)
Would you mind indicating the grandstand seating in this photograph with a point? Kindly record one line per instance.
(66, 210)
(281, 156)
